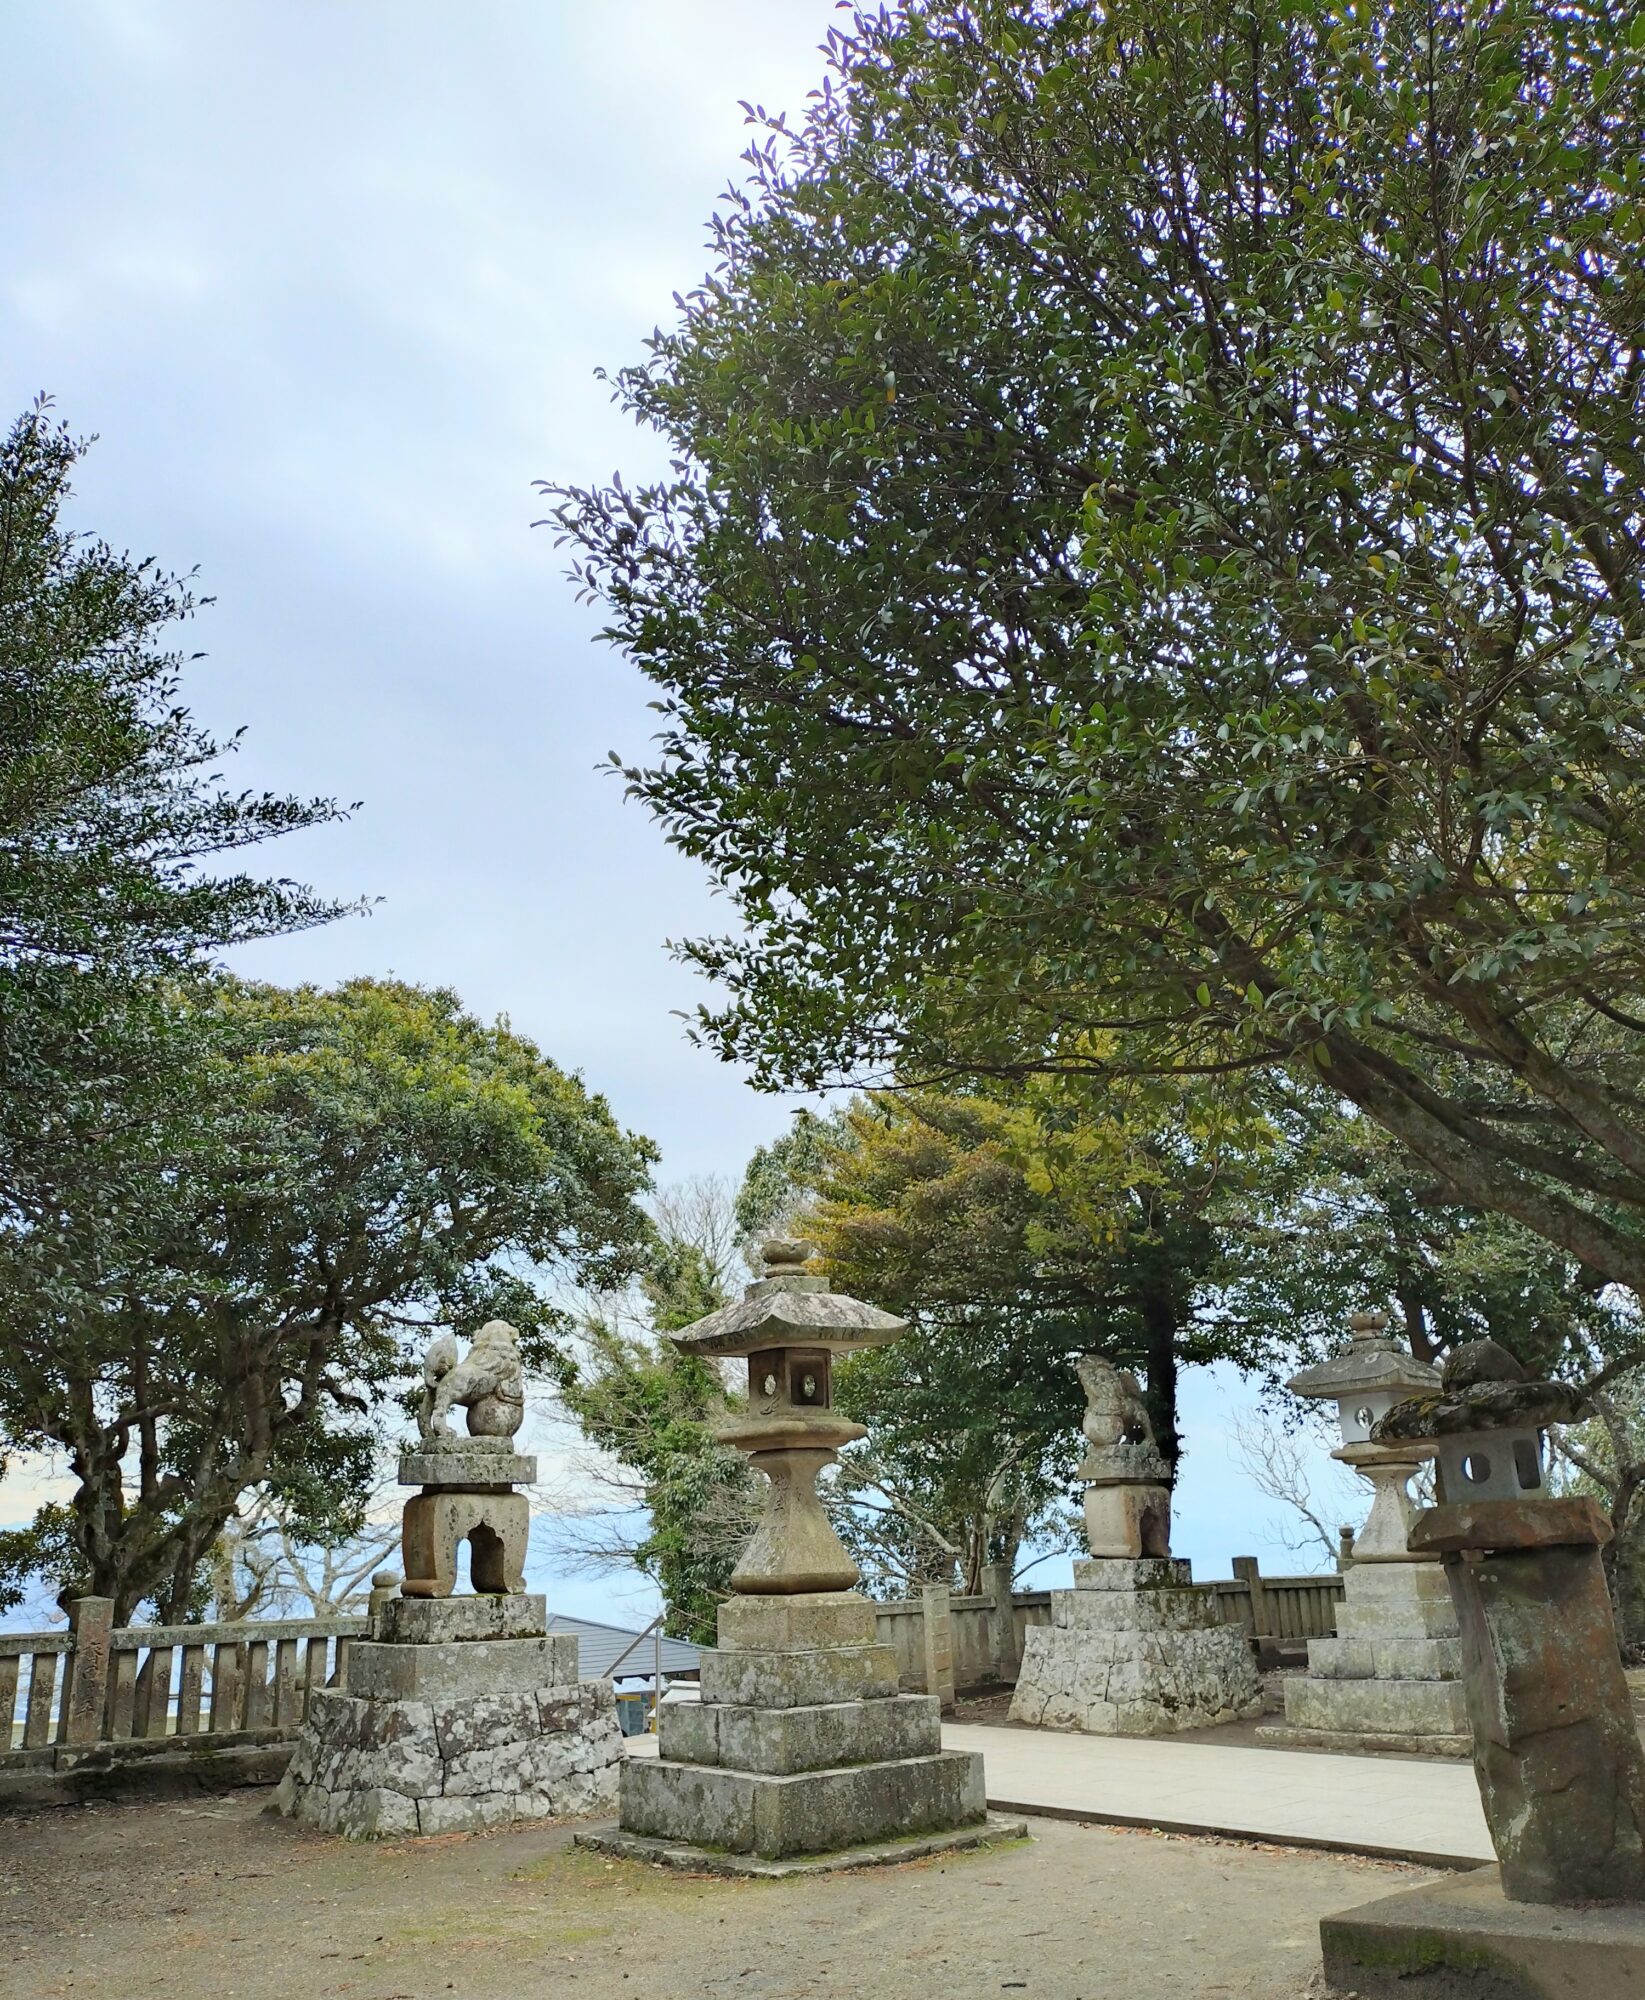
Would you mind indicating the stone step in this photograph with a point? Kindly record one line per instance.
(1377, 1707)
(786, 1740)
(811, 1812)
(1393, 1659)
(814, 1676)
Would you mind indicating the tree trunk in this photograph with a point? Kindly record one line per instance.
(1160, 1327)
(1625, 1560)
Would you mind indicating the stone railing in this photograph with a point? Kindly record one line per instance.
(985, 1643)
(99, 1687)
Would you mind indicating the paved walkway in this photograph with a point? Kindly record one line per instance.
(1400, 1808)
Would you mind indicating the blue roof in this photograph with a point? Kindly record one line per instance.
(600, 1647)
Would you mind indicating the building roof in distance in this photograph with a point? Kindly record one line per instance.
(600, 1647)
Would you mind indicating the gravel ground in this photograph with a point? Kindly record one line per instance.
(208, 1899)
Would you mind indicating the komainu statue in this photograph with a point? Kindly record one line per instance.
(489, 1383)
(1114, 1410)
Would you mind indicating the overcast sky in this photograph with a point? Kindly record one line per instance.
(331, 283)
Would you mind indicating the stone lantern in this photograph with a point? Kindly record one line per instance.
(1556, 1751)
(790, 1327)
(1388, 1680)
(801, 1745)
(1365, 1384)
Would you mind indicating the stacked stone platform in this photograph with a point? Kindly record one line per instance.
(800, 1747)
(459, 1714)
(1134, 1649)
(1391, 1678)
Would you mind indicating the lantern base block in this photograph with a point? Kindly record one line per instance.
(772, 1816)
(1391, 1680)
(1460, 1936)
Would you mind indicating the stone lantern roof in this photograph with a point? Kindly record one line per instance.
(1373, 1362)
(788, 1307)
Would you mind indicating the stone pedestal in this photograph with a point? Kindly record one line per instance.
(467, 1496)
(1556, 1749)
(1460, 1938)
(460, 1713)
(1134, 1649)
(1391, 1678)
(800, 1752)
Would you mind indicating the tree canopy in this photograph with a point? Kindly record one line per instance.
(117, 839)
(364, 1163)
(1150, 579)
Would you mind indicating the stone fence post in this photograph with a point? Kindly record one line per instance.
(1248, 1572)
(939, 1644)
(385, 1584)
(1005, 1655)
(91, 1625)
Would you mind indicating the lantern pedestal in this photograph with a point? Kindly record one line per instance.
(1390, 1681)
(1556, 1750)
(800, 1753)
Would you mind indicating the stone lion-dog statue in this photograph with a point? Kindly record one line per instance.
(488, 1382)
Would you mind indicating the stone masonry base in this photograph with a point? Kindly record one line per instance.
(378, 1769)
(1134, 1649)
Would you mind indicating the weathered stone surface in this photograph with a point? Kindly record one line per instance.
(1577, 1522)
(783, 1624)
(433, 1621)
(794, 1550)
(1127, 1521)
(809, 1813)
(1116, 1573)
(1134, 1463)
(459, 1671)
(370, 1769)
(1460, 1938)
(1391, 1659)
(435, 1523)
(1560, 1768)
(988, 1832)
(1172, 1610)
(787, 1740)
(1385, 1708)
(1145, 1678)
(1364, 1742)
(467, 1466)
(1396, 1601)
(798, 1679)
